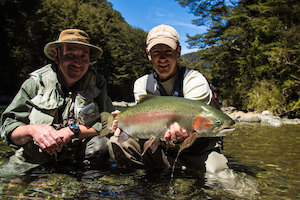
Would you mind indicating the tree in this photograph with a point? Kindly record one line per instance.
(16, 31)
(247, 42)
(27, 27)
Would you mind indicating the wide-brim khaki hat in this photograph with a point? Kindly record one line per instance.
(73, 36)
(163, 34)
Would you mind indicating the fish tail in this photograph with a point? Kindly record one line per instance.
(106, 120)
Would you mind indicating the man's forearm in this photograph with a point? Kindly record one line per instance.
(86, 132)
(21, 135)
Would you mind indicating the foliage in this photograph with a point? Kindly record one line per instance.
(264, 95)
(297, 105)
(26, 27)
(193, 61)
(248, 42)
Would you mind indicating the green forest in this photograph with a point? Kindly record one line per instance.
(250, 52)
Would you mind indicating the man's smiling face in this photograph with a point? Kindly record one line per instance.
(164, 60)
(73, 62)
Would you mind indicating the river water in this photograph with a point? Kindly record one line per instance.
(264, 164)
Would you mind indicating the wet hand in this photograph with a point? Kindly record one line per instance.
(116, 112)
(117, 131)
(65, 134)
(47, 138)
(175, 134)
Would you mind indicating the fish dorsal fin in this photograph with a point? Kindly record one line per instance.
(145, 97)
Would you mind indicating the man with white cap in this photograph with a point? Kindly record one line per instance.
(56, 113)
(169, 79)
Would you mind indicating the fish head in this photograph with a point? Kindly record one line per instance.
(213, 123)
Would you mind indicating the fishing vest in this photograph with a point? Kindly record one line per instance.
(50, 98)
(153, 86)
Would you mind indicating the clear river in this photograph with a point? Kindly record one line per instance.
(264, 164)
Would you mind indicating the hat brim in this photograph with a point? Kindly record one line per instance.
(95, 52)
(167, 41)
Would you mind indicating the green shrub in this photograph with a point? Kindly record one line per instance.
(265, 95)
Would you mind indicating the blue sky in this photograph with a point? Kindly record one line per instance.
(146, 14)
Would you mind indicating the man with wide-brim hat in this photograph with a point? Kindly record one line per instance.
(73, 36)
(56, 113)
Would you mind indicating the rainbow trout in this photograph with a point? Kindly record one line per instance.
(151, 117)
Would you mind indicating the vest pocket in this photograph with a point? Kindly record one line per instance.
(88, 114)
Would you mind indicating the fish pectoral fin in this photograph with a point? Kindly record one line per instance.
(152, 143)
(123, 137)
(188, 141)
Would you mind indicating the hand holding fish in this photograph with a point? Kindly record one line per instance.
(117, 131)
(175, 133)
(172, 119)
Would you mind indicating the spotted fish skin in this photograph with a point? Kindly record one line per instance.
(154, 114)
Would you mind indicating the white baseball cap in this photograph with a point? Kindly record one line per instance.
(163, 34)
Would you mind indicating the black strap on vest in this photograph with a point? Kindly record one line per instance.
(154, 86)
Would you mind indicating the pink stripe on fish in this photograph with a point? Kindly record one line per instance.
(148, 117)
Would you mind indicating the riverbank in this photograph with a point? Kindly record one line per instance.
(264, 117)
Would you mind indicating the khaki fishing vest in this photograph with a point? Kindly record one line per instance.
(49, 98)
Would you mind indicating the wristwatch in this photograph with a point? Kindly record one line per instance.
(75, 129)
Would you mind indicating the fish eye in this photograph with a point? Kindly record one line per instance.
(217, 122)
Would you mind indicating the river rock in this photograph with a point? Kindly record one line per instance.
(295, 121)
(240, 116)
(252, 117)
(272, 120)
(228, 109)
(266, 112)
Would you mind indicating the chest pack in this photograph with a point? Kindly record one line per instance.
(154, 86)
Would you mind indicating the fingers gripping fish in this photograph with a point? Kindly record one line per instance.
(150, 118)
